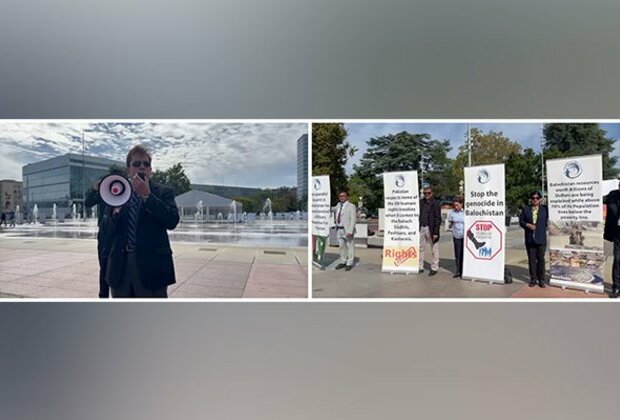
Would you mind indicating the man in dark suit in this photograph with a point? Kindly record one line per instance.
(612, 234)
(103, 242)
(534, 219)
(140, 258)
(430, 223)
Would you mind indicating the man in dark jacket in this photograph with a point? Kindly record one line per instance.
(103, 242)
(430, 223)
(534, 219)
(140, 258)
(612, 234)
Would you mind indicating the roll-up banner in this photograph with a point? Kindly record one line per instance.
(401, 243)
(321, 214)
(485, 219)
(575, 203)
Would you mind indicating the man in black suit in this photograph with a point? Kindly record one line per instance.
(93, 198)
(612, 234)
(140, 258)
(534, 219)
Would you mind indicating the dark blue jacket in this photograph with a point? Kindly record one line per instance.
(538, 236)
(159, 214)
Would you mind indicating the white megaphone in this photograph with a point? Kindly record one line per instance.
(115, 190)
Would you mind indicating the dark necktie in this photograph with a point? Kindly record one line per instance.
(339, 213)
(132, 220)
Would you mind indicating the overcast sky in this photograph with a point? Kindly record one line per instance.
(526, 134)
(252, 155)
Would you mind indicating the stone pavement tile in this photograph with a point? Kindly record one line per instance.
(276, 256)
(24, 270)
(275, 281)
(235, 280)
(20, 289)
(460, 288)
(42, 280)
(555, 292)
(8, 277)
(199, 291)
(57, 292)
(236, 254)
(301, 256)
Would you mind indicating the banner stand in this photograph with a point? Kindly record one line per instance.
(401, 241)
(484, 235)
(575, 202)
(321, 218)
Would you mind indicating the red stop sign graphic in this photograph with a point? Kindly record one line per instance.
(484, 240)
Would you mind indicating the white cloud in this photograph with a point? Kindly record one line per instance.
(261, 155)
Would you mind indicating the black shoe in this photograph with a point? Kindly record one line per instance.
(532, 284)
(421, 270)
(614, 293)
(542, 285)
(456, 275)
(349, 267)
(340, 266)
(432, 273)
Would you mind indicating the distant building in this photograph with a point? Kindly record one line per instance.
(62, 180)
(302, 167)
(226, 191)
(10, 194)
(210, 205)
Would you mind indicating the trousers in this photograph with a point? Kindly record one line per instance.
(458, 254)
(131, 286)
(536, 262)
(426, 241)
(347, 247)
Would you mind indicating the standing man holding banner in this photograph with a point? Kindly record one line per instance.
(345, 225)
(430, 223)
(533, 220)
(612, 234)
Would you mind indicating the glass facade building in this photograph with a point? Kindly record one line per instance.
(302, 168)
(63, 180)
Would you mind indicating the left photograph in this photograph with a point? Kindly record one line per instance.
(153, 210)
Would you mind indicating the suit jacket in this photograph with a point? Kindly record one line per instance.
(347, 218)
(612, 230)
(435, 217)
(538, 236)
(158, 214)
(94, 198)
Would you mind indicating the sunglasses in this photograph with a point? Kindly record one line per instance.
(535, 198)
(427, 193)
(137, 163)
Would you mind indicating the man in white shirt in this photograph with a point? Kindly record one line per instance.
(345, 226)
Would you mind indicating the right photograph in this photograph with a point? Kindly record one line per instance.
(506, 209)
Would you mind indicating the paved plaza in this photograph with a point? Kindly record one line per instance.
(68, 268)
(367, 281)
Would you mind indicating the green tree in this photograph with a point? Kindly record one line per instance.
(486, 149)
(402, 152)
(567, 140)
(173, 177)
(522, 166)
(330, 153)
(522, 178)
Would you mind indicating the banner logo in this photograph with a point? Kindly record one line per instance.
(483, 176)
(572, 169)
(316, 184)
(400, 181)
